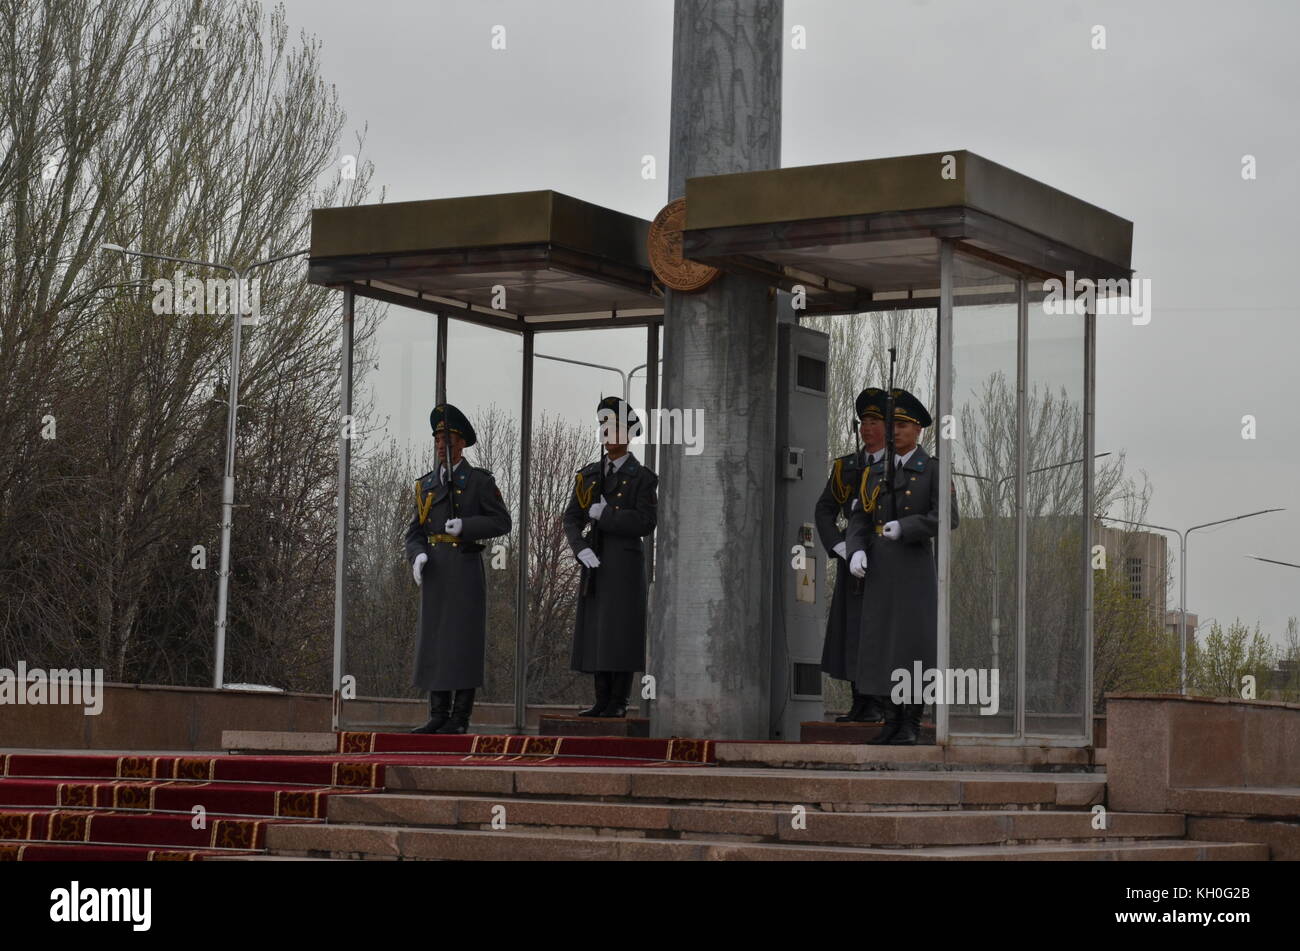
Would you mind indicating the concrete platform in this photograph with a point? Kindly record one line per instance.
(764, 754)
(821, 731)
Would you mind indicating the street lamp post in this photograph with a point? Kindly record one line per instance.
(625, 377)
(1273, 561)
(1182, 573)
(228, 480)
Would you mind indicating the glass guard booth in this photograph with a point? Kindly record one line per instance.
(527, 263)
(979, 247)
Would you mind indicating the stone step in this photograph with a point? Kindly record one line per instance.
(266, 858)
(658, 820)
(404, 842)
(829, 790)
(834, 755)
(269, 741)
(1281, 802)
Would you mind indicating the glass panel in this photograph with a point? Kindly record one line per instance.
(485, 381)
(390, 405)
(394, 391)
(565, 438)
(859, 358)
(982, 591)
(1054, 588)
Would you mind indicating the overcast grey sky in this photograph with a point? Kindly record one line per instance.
(1153, 128)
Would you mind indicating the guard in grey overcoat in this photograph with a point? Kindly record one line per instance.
(443, 544)
(612, 508)
(890, 540)
(840, 648)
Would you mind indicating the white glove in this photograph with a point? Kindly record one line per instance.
(892, 531)
(597, 508)
(417, 566)
(858, 564)
(588, 558)
(453, 526)
(842, 549)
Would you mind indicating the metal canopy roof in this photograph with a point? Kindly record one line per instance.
(563, 263)
(865, 235)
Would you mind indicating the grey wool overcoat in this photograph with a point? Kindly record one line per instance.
(452, 638)
(609, 633)
(840, 649)
(899, 608)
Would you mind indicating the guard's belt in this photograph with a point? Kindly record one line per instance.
(447, 539)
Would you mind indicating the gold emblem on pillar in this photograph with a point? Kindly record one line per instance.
(665, 245)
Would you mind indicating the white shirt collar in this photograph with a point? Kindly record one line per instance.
(874, 456)
(618, 463)
(442, 467)
(902, 460)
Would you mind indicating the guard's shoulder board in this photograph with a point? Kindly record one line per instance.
(486, 472)
(429, 479)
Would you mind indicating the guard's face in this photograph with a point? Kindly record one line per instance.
(905, 436)
(872, 430)
(610, 437)
(457, 445)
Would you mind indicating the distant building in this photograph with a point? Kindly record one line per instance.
(1143, 559)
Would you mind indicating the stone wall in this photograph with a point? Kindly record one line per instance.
(1231, 766)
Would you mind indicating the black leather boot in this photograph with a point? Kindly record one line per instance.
(855, 712)
(910, 731)
(603, 681)
(893, 722)
(872, 711)
(620, 684)
(439, 705)
(463, 706)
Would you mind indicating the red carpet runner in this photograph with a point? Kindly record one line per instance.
(98, 807)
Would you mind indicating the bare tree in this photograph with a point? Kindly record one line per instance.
(200, 131)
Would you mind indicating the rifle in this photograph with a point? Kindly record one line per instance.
(889, 436)
(593, 533)
(856, 584)
(446, 455)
